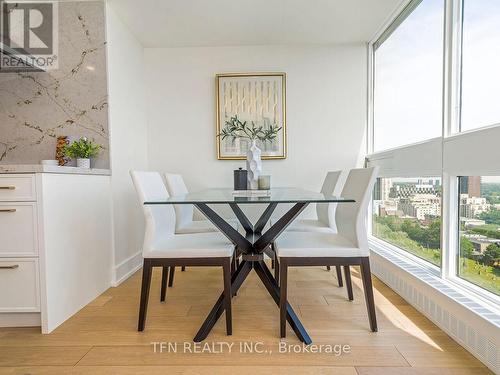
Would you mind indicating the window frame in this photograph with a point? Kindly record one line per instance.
(451, 132)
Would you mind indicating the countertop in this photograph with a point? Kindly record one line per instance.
(38, 168)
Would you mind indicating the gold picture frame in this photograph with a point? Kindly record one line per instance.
(257, 97)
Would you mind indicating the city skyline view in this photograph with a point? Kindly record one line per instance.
(407, 214)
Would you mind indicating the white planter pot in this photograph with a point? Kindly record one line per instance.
(254, 166)
(83, 163)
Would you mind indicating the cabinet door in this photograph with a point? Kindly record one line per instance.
(18, 229)
(17, 188)
(20, 285)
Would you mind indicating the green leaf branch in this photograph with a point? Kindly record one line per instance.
(235, 128)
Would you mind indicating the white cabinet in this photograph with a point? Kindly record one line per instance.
(19, 266)
(55, 245)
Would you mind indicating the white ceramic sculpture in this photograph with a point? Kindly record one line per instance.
(254, 166)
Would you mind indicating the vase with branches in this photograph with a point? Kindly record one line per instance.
(234, 129)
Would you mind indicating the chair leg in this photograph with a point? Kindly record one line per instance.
(171, 276)
(226, 269)
(348, 282)
(339, 276)
(233, 270)
(146, 282)
(183, 268)
(277, 270)
(233, 263)
(274, 261)
(164, 275)
(283, 295)
(366, 276)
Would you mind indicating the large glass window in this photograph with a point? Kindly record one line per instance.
(408, 76)
(480, 63)
(479, 256)
(407, 214)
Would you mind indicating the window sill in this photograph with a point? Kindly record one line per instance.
(469, 296)
(378, 244)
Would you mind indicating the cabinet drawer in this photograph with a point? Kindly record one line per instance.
(18, 229)
(20, 285)
(18, 187)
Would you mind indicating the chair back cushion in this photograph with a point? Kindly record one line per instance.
(351, 217)
(176, 186)
(322, 209)
(160, 219)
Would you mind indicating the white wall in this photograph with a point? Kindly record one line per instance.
(128, 143)
(326, 110)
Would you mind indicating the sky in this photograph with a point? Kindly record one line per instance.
(409, 76)
(481, 64)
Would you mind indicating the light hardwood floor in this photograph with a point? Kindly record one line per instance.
(102, 337)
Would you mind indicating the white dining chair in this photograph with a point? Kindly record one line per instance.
(184, 217)
(325, 218)
(349, 246)
(325, 221)
(184, 213)
(163, 248)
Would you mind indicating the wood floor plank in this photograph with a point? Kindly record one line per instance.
(431, 357)
(179, 370)
(141, 355)
(421, 371)
(41, 356)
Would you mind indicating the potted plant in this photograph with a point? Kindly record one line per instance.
(82, 150)
(235, 128)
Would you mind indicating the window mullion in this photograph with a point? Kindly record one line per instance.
(451, 118)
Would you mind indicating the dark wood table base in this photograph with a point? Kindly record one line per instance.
(252, 247)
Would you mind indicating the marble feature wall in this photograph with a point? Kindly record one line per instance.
(37, 107)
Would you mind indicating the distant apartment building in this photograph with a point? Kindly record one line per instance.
(480, 242)
(420, 206)
(386, 208)
(382, 189)
(472, 207)
(471, 222)
(470, 185)
(419, 200)
(409, 190)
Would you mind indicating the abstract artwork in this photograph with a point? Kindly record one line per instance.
(258, 98)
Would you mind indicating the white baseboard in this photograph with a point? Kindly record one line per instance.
(438, 302)
(127, 268)
(20, 320)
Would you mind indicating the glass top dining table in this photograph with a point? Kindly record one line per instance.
(251, 241)
(274, 195)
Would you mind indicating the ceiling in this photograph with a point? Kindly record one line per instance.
(181, 23)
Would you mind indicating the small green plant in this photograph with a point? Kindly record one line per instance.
(234, 128)
(82, 149)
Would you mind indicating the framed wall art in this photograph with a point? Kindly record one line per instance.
(260, 100)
